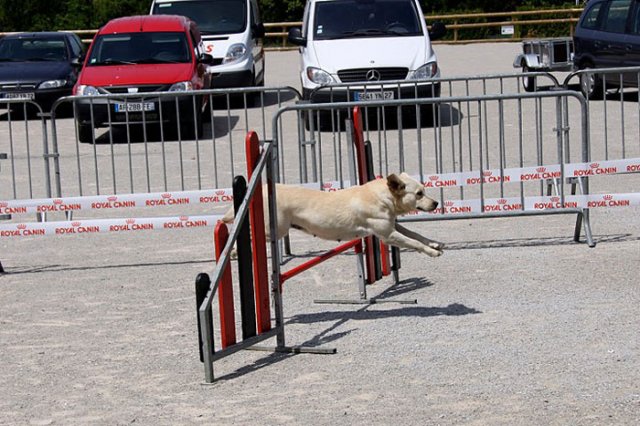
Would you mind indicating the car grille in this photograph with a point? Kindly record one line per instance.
(360, 74)
(18, 86)
(141, 89)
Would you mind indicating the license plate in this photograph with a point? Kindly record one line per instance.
(374, 96)
(23, 96)
(134, 106)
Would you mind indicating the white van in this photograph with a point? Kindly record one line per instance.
(232, 33)
(350, 41)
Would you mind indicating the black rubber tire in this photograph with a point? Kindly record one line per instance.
(85, 133)
(591, 85)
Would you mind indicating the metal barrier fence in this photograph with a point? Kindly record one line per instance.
(615, 105)
(135, 155)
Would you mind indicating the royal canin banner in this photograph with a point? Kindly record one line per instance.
(117, 202)
(95, 226)
(223, 196)
(449, 207)
(529, 204)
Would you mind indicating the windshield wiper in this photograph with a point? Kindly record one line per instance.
(155, 61)
(360, 33)
(113, 62)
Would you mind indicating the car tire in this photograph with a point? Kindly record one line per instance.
(528, 83)
(591, 85)
(85, 133)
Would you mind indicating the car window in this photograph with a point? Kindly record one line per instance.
(33, 49)
(590, 20)
(616, 18)
(365, 18)
(635, 20)
(76, 45)
(140, 48)
(212, 16)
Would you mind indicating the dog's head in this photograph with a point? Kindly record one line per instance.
(409, 194)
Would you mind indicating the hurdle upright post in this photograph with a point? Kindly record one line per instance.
(245, 273)
(258, 238)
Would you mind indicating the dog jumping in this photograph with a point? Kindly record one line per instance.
(356, 212)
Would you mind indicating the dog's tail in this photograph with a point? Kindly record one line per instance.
(229, 216)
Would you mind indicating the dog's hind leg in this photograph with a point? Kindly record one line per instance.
(424, 240)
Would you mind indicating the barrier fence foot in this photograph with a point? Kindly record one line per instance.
(1, 268)
(293, 349)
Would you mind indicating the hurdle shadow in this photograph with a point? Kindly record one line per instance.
(340, 318)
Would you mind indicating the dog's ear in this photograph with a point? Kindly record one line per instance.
(395, 184)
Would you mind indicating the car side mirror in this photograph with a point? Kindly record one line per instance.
(205, 58)
(437, 31)
(77, 61)
(258, 30)
(295, 37)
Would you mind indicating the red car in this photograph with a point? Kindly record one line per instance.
(135, 56)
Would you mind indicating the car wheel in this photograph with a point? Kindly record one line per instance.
(528, 83)
(591, 85)
(85, 133)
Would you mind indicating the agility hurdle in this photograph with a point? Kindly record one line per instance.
(252, 265)
(372, 257)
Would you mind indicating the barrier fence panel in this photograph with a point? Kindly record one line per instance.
(25, 159)
(492, 155)
(615, 107)
(130, 164)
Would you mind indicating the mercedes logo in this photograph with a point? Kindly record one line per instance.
(372, 75)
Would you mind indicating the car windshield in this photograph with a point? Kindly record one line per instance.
(212, 17)
(365, 18)
(32, 49)
(140, 48)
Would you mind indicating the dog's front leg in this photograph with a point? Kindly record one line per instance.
(400, 240)
(424, 240)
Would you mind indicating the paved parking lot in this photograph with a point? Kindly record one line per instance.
(515, 324)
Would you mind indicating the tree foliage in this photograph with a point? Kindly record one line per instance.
(42, 15)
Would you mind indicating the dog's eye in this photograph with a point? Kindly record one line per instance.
(420, 194)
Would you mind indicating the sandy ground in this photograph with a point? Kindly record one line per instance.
(515, 324)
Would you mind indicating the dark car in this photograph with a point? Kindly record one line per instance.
(607, 36)
(39, 66)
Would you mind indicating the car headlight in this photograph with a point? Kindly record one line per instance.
(83, 90)
(235, 53)
(319, 76)
(52, 84)
(183, 86)
(428, 70)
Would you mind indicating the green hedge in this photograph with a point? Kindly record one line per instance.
(40, 15)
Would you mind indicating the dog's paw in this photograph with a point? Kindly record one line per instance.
(436, 245)
(435, 253)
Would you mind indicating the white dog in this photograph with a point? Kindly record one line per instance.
(356, 212)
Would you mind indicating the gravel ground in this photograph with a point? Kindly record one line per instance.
(515, 324)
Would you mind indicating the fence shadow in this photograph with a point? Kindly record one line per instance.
(250, 100)
(222, 126)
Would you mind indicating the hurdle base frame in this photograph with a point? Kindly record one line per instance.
(294, 349)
